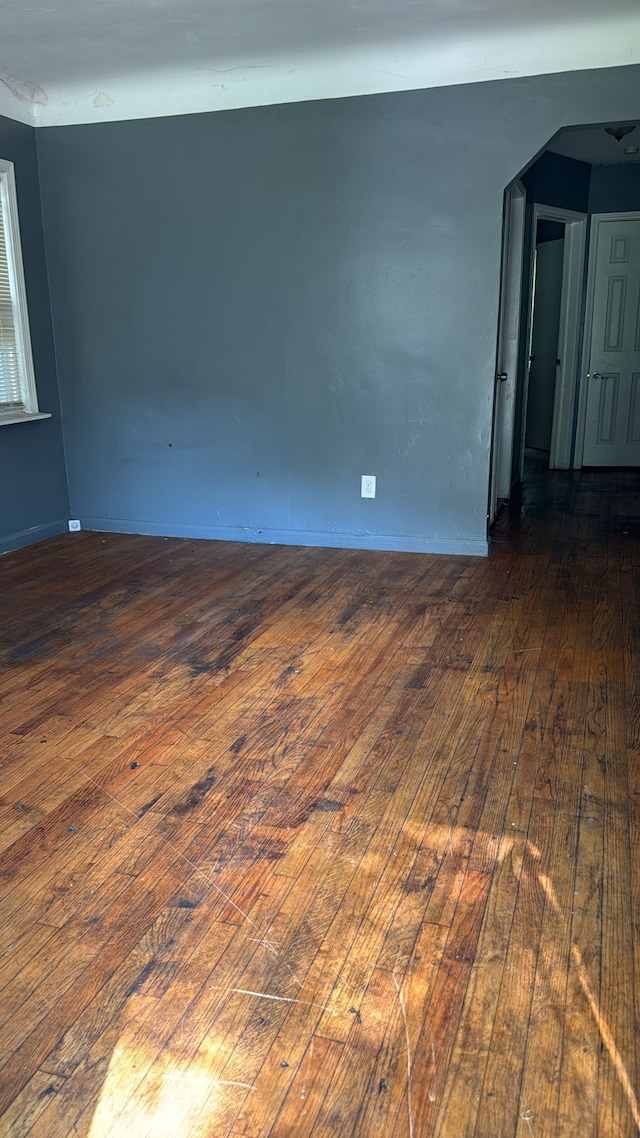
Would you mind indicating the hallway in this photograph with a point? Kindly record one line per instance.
(303, 842)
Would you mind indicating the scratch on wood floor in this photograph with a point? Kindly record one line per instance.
(432, 1097)
(273, 944)
(528, 1116)
(283, 999)
(262, 941)
(406, 1032)
(170, 845)
(605, 1031)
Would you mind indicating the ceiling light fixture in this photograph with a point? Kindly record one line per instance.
(619, 132)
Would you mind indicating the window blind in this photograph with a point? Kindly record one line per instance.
(10, 378)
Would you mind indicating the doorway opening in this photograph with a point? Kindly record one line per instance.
(548, 379)
(542, 296)
(548, 257)
(553, 296)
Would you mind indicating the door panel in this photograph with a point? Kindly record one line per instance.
(614, 322)
(607, 409)
(634, 417)
(612, 426)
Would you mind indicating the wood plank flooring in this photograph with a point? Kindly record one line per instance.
(302, 842)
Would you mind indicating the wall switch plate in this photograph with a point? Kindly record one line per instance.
(368, 486)
(74, 525)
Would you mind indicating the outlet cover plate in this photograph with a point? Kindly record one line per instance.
(368, 486)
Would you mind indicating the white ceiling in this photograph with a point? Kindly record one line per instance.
(86, 60)
(593, 144)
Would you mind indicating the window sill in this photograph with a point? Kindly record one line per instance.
(22, 417)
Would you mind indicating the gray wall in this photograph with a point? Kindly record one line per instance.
(615, 189)
(253, 308)
(33, 500)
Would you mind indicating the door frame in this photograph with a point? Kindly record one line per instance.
(509, 321)
(514, 274)
(569, 340)
(596, 220)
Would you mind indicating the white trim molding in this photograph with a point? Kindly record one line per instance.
(18, 387)
(572, 291)
(509, 330)
(7, 420)
(569, 343)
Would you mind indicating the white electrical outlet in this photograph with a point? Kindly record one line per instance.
(74, 525)
(368, 486)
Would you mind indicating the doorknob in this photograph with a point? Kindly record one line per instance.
(595, 375)
(502, 376)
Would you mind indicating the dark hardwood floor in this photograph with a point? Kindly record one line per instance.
(313, 842)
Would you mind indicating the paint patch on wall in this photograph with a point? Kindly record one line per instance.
(103, 100)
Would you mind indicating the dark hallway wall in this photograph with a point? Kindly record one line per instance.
(559, 181)
(615, 189)
(34, 501)
(253, 308)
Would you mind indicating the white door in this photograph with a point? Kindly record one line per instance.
(508, 336)
(612, 417)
